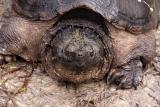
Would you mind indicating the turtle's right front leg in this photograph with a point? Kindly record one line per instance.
(10, 40)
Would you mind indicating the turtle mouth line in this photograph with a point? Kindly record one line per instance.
(77, 52)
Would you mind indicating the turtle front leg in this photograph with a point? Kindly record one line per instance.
(128, 75)
(21, 38)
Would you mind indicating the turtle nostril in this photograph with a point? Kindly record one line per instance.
(80, 55)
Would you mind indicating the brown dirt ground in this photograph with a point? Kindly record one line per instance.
(22, 86)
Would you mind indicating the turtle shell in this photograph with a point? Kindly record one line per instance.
(36, 9)
(130, 15)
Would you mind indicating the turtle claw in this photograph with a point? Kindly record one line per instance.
(7, 59)
(127, 76)
(112, 77)
(126, 82)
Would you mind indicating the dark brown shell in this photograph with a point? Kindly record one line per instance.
(130, 15)
(36, 9)
(135, 16)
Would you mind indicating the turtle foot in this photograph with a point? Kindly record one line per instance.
(128, 75)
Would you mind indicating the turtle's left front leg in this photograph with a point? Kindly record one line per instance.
(128, 75)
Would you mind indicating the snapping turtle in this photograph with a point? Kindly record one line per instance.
(83, 40)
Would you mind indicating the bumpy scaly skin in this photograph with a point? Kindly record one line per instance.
(125, 55)
(19, 36)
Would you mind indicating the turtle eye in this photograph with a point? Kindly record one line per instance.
(36, 9)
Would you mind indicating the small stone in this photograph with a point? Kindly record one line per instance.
(151, 9)
(8, 58)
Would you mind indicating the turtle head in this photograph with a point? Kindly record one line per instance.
(76, 51)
